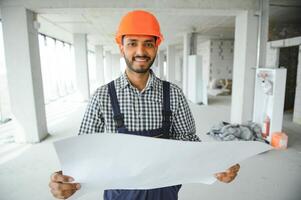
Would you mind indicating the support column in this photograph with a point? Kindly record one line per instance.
(297, 106)
(171, 63)
(155, 67)
(81, 65)
(115, 66)
(263, 32)
(108, 67)
(186, 52)
(99, 65)
(24, 74)
(245, 47)
(5, 113)
(161, 64)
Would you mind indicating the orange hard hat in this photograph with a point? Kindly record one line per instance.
(139, 22)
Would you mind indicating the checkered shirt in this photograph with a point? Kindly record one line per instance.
(142, 109)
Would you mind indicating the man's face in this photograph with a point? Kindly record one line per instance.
(139, 52)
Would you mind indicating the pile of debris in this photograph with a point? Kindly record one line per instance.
(248, 131)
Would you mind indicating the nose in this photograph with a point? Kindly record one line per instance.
(140, 50)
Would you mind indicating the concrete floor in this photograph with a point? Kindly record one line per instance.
(25, 168)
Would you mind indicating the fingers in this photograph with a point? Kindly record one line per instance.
(59, 177)
(62, 194)
(229, 175)
(226, 177)
(235, 168)
(63, 190)
(61, 187)
(64, 186)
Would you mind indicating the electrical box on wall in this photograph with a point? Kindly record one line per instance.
(269, 99)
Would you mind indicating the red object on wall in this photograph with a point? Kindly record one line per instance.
(266, 127)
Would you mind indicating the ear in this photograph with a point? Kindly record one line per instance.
(121, 48)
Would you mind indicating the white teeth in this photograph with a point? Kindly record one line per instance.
(138, 59)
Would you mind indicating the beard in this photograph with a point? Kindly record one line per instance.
(139, 69)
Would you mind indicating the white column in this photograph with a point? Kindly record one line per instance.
(245, 47)
(297, 106)
(263, 33)
(155, 67)
(99, 64)
(161, 64)
(108, 66)
(5, 112)
(178, 68)
(81, 65)
(171, 63)
(115, 66)
(24, 73)
(186, 51)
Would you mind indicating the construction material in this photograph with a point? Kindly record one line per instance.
(279, 140)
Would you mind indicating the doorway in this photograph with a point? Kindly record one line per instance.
(288, 58)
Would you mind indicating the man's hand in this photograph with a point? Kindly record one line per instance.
(61, 187)
(228, 175)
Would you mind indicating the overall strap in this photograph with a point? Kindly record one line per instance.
(117, 115)
(166, 112)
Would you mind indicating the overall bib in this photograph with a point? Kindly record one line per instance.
(166, 193)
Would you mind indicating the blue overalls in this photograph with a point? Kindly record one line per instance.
(166, 193)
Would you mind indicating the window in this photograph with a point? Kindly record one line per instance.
(4, 96)
(58, 71)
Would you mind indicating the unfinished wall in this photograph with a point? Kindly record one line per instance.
(284, 31)
(217, 58)
(288, 58)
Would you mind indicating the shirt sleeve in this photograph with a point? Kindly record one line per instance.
(93, 121)
(183, 124)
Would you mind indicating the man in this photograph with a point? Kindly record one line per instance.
(137, 103)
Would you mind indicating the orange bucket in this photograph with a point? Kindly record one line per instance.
(279, 140)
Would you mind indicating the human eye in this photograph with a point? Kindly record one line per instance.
(149, 44)
(132, 44)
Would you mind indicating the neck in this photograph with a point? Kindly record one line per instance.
(138, 80)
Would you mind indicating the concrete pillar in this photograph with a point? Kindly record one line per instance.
(263, 31)
(155, 67)
(297, 106)
(186, 53)
(5, 113)
(171, 63)
(161, 64)
(99, 65)
(245, 47)
(178, 68)
(24, 73)
(81, 65)
(108, 67)
(115, 66)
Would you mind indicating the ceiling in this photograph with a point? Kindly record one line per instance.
(99, 19)
(101, 24)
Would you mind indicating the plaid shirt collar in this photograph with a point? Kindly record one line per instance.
(152, 81)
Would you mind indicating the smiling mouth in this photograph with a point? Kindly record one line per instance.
(141, 59)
